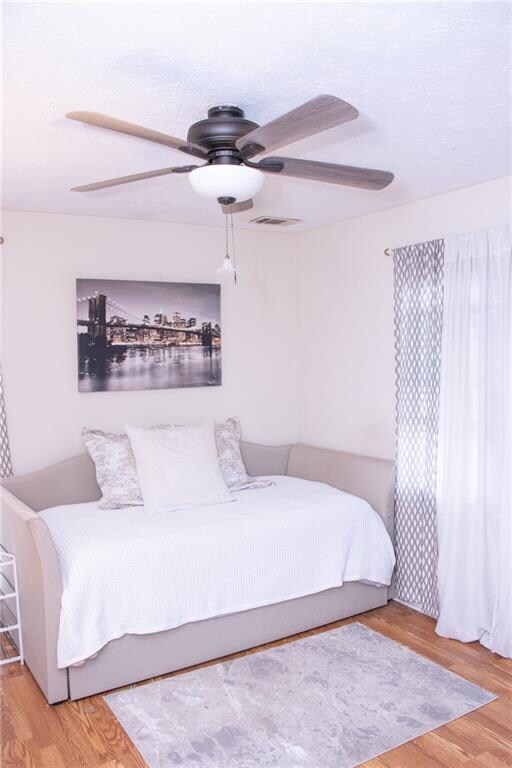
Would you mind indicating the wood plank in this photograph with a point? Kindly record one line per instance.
(424, 626)
(113, 735)
(494, 682)
(409, 756)
(50, 757)
(471, 731)
(17, 754)
(435, 745)
(491, 760)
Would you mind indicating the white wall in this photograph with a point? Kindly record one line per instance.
(42, 256)
(307, 335)
(346, 354)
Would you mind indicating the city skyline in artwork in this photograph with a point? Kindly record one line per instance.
(147, 335)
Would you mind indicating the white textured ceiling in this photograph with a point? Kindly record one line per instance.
(431, 81)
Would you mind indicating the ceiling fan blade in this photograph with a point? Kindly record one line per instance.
(121, 126)
(133, 177)
(315, 116)
(238, 207)
(332, 173)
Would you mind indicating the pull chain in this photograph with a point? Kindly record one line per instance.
(229, 265)
(233, 246)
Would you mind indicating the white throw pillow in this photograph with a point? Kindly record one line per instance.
(178, 467)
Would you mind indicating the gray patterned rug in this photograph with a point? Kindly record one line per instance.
(332, 700)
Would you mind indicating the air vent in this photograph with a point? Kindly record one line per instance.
(274, 221)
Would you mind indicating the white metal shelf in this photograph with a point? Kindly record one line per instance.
(7, 588)
(10, 622)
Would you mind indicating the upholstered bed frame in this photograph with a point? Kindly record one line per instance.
(137, 657)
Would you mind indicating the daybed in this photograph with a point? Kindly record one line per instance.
(132, 658)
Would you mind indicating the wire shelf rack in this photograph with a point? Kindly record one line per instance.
(11, 640)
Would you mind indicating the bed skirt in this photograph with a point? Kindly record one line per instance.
(137, 657)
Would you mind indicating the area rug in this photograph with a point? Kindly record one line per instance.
(331, 700)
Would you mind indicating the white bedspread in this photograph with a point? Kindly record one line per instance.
(127, 572)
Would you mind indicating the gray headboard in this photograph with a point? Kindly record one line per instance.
(74, 480)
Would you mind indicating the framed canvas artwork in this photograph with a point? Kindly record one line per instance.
(147, 335)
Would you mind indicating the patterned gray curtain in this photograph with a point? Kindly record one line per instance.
(418, 281)
(5, 452)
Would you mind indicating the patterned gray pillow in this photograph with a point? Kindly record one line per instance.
(227, 438)
(116, 470)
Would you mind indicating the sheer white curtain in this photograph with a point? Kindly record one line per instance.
(475, 434)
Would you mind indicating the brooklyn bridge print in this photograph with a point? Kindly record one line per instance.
(147, 335)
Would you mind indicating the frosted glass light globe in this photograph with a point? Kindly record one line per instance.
(236, 181)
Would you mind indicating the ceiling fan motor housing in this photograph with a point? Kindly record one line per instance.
(219, 132)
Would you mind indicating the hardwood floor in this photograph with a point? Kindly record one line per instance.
(85, 733)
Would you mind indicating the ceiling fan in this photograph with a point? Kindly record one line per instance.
(227, 141)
